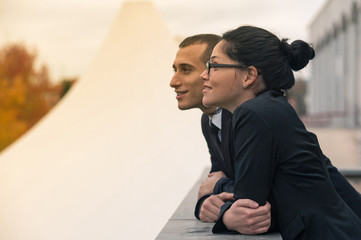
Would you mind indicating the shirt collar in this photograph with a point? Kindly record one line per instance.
(216, 119)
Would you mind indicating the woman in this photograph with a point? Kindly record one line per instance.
(276, 158)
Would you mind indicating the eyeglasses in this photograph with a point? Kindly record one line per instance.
(210, 65)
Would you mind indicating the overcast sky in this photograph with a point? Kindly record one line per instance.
(68, 33)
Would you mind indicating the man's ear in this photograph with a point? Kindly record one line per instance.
(252, 75)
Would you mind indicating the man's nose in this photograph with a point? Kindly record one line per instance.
(174, 82)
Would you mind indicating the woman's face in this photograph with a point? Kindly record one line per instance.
(223, 86)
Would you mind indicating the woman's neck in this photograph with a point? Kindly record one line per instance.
(248, 95)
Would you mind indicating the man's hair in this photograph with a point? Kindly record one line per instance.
(210, 39)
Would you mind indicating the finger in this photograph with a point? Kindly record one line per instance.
(225, 196)
(264, 211)
(253, 214)
(216, 201)
(207, 218)
(248, 203)
(213, 204)
(268, 205)
(265, 223)
(261, 227)
(257, 231)
(250, 226)
(222, 174)
(209, 211)
(261, 221)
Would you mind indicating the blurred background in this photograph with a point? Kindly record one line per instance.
(46, 45)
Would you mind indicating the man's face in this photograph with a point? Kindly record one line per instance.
(186, 80)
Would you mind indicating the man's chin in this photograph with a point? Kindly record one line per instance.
(184, 107)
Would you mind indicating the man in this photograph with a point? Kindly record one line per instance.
(189, 63)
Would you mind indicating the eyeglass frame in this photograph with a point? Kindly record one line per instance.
(210, 65)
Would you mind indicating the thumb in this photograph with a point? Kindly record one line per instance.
(246, 203)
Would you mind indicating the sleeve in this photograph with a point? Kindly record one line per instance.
(254, 168)
(206, 133)
(200, 201)
(215, 166)
(255, 160)
(346, 191)
(219, 226)
(223, 185)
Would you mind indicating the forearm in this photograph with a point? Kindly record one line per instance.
(224, 185)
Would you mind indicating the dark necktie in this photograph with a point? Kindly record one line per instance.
(215, 140)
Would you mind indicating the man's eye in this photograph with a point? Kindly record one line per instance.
(186, 70)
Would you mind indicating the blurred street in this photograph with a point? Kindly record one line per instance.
(342, 147)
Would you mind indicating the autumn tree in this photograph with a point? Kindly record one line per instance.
(26, 92)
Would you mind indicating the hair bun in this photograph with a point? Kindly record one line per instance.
(298, 54)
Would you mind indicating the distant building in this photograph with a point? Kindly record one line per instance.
(335, 87)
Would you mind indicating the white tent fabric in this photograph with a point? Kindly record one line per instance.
(114, 158)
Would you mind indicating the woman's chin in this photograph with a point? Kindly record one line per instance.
(208, 103)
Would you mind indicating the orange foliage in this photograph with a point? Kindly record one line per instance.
(26, 93)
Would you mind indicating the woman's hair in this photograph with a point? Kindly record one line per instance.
(274, 59)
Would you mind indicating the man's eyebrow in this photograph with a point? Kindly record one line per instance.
(185, 65)
(213, 57)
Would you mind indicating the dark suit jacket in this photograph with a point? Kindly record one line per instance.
(278, 160)
(221, 157)
(224, 162)
(221, 160)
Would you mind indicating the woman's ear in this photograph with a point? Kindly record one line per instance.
(252, 75)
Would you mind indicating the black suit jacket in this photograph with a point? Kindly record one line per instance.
(221, 160)
(224, 162)
(278, 160)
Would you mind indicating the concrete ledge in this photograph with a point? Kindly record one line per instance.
(353, 175)
(351, 172)
(183, 225)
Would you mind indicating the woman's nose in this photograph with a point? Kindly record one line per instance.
(204, 75)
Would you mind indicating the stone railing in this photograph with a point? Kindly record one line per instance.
(183, 225)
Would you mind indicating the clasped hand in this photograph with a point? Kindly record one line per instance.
(209, 183)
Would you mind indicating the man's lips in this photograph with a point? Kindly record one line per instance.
(180, 94)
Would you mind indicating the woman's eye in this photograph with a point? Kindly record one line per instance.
(214, 66)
